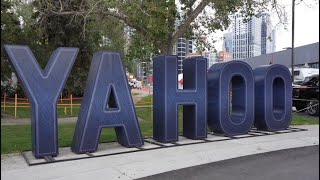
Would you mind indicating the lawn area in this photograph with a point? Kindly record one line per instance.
(16, 138)
(298, 119)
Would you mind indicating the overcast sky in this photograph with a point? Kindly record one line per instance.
(306, 25)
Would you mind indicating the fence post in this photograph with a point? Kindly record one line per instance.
(4, 103)
(61, 97)
(71, 104)
(15, 105)
(151, 108)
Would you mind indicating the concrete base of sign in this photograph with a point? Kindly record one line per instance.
(117, 162)
(113, 148)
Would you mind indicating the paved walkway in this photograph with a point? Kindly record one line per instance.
(146, 163)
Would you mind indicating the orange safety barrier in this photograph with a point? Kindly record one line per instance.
(12, 103)
(25, 99)
(27, 104)
(142, 102)
(18, 106)
(68, 104)
(70, 98)
(77, 98)
(30, 106)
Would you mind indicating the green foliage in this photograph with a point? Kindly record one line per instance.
(44, 33)
(10, 29)
(138, 29)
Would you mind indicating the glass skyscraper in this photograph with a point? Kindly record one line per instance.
(182, 48)
(249, 38)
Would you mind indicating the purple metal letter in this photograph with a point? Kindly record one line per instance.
(167, 97)
(107, 79)
(221, 118)
(43, 89)
(273, 97)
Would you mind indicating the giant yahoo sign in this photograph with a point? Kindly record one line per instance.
(260, 97)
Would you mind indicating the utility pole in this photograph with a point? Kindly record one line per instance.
(292, 48)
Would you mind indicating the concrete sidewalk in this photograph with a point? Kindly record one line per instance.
(141, 164)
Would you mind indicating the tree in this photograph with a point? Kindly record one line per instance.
(23, 23)
(139, 51)
(162, 22)
(88, 33)
(10, 29)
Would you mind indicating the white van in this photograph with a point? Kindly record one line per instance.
(300, 74)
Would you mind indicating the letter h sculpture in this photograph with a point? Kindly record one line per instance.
(167, 97)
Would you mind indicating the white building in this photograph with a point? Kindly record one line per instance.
(267, 39)
(246, 37)
(227, 42)
(211, 58)
(182, 48)
(249, 38)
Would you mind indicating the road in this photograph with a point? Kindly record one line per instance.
(290, 164)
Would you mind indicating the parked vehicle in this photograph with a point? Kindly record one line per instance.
(307, 95)
(300, 74)
(137, 85)
(132, 82)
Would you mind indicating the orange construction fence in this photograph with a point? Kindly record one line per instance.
(16, 103)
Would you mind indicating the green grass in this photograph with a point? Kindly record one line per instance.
(304, 120)
(17, 138)
(26, 112)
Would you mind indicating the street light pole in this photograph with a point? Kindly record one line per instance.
(292, 48)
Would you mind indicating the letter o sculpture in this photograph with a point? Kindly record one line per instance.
(273, 101)
(221, 118)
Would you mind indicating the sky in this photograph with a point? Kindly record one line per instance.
(306, 25)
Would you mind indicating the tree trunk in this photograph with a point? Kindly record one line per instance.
(167, 48)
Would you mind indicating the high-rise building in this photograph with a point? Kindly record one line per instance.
(246, 37)
(249, 38)
(266, 34)
(182, 48)
(227, 42)
(141, 70)
(273, 40)
(224, 56)
(210, 56)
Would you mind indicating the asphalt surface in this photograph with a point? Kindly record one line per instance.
(290, 164)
